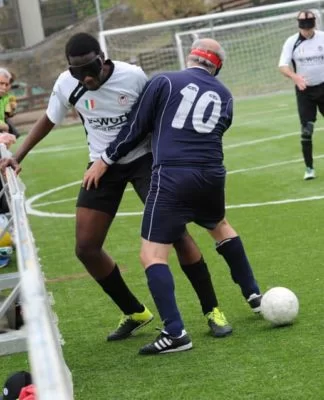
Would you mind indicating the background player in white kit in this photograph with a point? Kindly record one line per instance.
(103, 91)
(302, 60)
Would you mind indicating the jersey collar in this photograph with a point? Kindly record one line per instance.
(110, 72)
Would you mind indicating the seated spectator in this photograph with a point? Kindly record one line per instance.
(7, 139)
(4, 98)
(11, 108)
(5, 238)
(6, 241)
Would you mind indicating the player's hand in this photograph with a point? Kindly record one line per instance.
(10, 162)
(300, 82)
(93, 174)
(7, 139)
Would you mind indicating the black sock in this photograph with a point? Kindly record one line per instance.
(115, 286)
(307, 148)
(234, 254)
(200, 280)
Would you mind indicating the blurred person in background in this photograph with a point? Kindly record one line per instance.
(4, 98)
(6, 139)
(302, 60)
(12, 107)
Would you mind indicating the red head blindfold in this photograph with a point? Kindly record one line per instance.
(210, 56)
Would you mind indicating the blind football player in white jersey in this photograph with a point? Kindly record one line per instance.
(103, 92)
(302, 60)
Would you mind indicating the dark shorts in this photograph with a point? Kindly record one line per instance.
(181, 195)
(112, 185)
(308, 101)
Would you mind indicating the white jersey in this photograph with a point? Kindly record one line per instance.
(103, 111)
(306, 56)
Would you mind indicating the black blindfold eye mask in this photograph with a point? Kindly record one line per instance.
(92, 68)
(307, 23)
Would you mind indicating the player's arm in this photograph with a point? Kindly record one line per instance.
(140, 123)
(298, 80)
(228, 114)
(55, 113)
(42, 127)
(285, 65)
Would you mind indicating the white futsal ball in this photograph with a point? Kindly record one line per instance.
(280, 306)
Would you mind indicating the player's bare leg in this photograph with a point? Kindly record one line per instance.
(91, 229)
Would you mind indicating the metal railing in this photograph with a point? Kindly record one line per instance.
(49, 370)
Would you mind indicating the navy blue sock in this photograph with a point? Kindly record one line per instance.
(234, 254)
(161, 285)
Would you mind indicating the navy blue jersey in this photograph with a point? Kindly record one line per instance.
(187, 112)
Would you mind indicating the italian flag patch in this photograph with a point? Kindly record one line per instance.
(89, 104)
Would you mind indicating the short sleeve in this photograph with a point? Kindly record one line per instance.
(141, 79)
(286, 53)
(58, 105)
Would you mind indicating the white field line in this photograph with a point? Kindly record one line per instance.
(263, 121)
(276, 202)
(242, 115)
(239, 144)
(237, 123)
(278, 164)
(263, 140)
(128, 214)
(32, 211)
(267, 139)
(57, 149)
(48, 203)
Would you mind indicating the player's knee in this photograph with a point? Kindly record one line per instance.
(221, 224)
(85, 252)
(223, 230)
(307, 130)
(187, 250)
(79, 251)
(154, 253)
(145, 258)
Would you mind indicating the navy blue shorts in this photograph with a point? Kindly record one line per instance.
(179, 195)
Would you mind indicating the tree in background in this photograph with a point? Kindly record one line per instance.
(86, 8)
(157, 10)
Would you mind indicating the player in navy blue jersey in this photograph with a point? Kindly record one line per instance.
(102, 92)
(187, 113)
